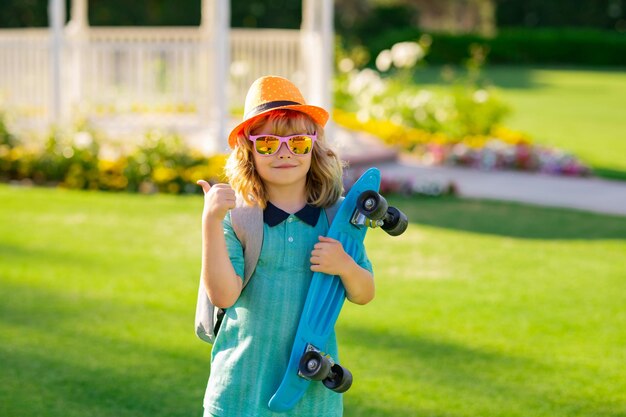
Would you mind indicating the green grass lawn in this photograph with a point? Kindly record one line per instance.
(482, 309)
(578, 110)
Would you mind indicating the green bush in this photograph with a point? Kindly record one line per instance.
(466, 108)
(601, 14)
(558, 46)
(561, 46)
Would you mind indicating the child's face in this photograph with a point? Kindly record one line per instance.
(282, 168)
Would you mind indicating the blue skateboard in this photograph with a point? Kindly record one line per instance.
(362, 207)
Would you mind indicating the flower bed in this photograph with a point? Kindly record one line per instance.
(501, 149)
(460, 125)
(82, 159)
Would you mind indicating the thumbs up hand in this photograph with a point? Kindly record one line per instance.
(218, 199)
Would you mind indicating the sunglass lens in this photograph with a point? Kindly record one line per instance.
(267, 145)
(301, 145)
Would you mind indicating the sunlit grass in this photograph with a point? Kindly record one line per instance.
(482, 308)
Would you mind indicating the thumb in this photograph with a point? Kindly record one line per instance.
(205, 185)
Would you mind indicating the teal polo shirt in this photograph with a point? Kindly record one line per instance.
(254, 343)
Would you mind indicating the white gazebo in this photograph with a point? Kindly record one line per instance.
(179, 73)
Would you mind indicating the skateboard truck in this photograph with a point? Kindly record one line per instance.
(315, 365)
(372, 210)
(360, 219)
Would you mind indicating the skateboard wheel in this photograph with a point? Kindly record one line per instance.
(340, 379)
(395, 222)
(314, 366)
(372, 205)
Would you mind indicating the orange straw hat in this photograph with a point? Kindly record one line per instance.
(272, 93)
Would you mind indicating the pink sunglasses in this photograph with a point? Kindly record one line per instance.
(266, 145)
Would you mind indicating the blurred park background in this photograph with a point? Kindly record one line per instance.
(483, 307)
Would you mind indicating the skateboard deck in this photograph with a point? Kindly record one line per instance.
(325, 297)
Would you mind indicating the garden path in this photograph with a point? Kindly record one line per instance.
(589, 194)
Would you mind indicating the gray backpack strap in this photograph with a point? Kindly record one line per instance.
(247, 222)
(332, 210)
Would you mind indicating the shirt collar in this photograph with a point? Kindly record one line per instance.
(272, 215)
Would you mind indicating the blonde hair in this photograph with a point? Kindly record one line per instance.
(324, 180)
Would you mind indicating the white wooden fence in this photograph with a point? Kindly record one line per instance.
(24, 72)
(110, 71)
